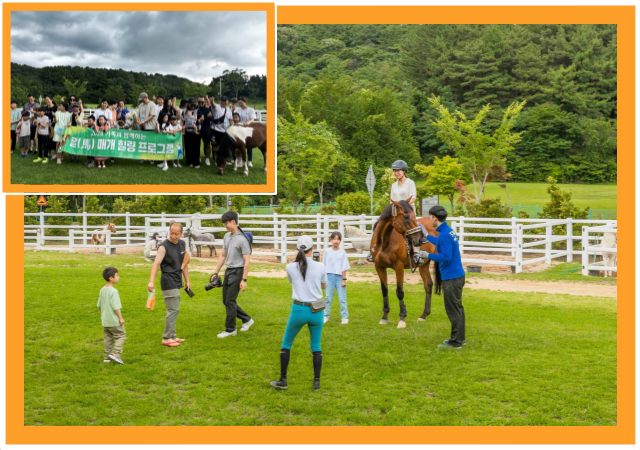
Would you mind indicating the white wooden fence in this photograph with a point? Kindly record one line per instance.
(261, 115)
(278, 234)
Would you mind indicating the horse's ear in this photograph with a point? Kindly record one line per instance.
(409, 200)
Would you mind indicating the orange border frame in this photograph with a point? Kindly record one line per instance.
(623, 433)
(268, 188)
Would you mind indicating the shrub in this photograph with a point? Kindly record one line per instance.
(354, 203)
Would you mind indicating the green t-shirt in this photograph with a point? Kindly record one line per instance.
(109, 302)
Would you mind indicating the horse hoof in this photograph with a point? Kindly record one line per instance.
(402, 324)
(420, 319)
(383, 322)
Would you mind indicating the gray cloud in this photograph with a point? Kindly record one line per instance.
(194, 45)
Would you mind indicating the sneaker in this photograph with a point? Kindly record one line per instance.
(326, 319)
(206, 162)
(196, 167)
(316, 384)
(161, 164)
(190, 165)
(250, 164)
(175, 165)
(37, 160)
(113, 160)
(165, 167)
(446, 344)
(45, 160)
(91, 164)
(247, 325)
(142, 161)
(447, 341)
(106, 359)
(116, 358)
(345, 321)
(229, 163)
(178, 164)
(225, 334)
(280, 384)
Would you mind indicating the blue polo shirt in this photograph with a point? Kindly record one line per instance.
(448, 252)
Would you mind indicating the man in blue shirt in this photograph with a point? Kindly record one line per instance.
(448, 257)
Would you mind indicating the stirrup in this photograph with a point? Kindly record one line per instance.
(370, 258)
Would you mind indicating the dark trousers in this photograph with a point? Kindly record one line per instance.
(13, 140)
(452, 290)
(43, 146)
(206, 143)
(224, 144)
(192, 149)
(230, 291)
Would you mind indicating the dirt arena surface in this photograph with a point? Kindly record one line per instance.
(579, 289)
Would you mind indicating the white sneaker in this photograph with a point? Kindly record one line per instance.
(326, 319)
(166, 167)
(246, 326)
(345, 321)
(161, 163)
(196, 167)
(250, 164)
(178, 164)
(206, 162)
(225, 334)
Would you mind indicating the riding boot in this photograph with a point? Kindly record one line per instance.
(317, 367)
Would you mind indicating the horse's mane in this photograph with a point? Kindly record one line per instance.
(355, 231)
(386, 214)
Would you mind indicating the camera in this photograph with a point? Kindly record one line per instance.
(215, 283)
(316, 256)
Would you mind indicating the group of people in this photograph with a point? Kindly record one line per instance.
(40, 129)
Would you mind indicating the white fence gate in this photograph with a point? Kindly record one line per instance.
(528, 240)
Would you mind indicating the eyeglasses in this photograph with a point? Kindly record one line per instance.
(200, 102)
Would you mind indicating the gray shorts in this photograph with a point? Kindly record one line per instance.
(23, 141)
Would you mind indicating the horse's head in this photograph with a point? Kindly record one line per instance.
(405, 222)
(112, 227)
(187, 233)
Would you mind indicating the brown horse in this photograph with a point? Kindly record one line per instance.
(253, 135)
(394, 237)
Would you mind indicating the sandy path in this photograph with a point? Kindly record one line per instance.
(581, 289)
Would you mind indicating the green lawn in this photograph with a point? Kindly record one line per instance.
(124, 171)
(531, 359)
(599, 196)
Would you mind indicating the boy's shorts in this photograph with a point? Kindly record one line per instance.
(23, 141)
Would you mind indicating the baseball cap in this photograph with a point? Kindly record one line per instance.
(305, 243)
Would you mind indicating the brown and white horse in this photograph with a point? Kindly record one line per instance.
(101, 239)
(242, 138)
(394, 237)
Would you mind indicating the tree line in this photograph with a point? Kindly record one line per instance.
(372, 88)
(93, 84)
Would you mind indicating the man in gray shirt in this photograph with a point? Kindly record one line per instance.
(236, 253)
(147, 113)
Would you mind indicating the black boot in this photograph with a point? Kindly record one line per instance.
(316, 384)
(280, 384)
(317, 367)
(284, 364)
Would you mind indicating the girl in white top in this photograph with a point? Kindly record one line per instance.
(404, 188)
(336, 262)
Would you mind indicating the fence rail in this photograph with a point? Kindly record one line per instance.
(520, 238)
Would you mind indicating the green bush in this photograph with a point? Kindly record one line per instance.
(354, 203)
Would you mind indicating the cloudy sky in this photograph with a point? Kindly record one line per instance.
(194, 45)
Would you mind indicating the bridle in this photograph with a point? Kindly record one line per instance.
(405, 234)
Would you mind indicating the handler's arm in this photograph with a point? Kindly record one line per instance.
(223, 258)
(446, 250)
(432, 239)
(247, 261)
(154, 270)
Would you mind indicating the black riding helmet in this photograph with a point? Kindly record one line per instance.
(400, 165)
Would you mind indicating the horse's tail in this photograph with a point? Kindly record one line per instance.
(438, 277)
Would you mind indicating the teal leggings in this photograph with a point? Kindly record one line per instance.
(299, 317)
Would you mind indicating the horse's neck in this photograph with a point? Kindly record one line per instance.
(386, 231)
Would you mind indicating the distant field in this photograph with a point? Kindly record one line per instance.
(598, 196)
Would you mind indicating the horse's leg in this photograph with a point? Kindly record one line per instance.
(382, 274)
(263, 149)
(428, 289)
(400, 293)
(243, 156)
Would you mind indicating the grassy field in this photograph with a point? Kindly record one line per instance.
(124, 171)
(530, 360)
(601, 196)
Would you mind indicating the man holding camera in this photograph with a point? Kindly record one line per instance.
(236, 253)
(173, 260)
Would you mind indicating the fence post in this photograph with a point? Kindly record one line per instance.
(326, 233)
(147, 228)
(363, 226)
(514, 239)
(461, 235)
(276, 245)
(519, 242)
(127, 222)
(84, 228)
(42, 226)
(547, 246)
(107, 250)
(283, 232)
(570, 240)
(164, 223)
(71, 240)
(585, 253)
(318, 230)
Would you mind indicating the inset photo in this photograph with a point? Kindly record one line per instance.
(157, 98)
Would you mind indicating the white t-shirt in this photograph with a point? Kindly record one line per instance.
(106, 113)
(170, 127)
(25, 129)
(335, 261)
(218, 112)
(158, 110)
(408, 189)
(309, 289)
(245, 114)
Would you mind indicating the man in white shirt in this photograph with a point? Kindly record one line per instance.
(159, 105)
(104, 111)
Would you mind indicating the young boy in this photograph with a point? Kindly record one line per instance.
(91, 124)
(42, 136)
(112, 321)
(16, 116)
(336, 261)
(24, 134)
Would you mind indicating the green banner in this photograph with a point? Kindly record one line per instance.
(131, 144)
